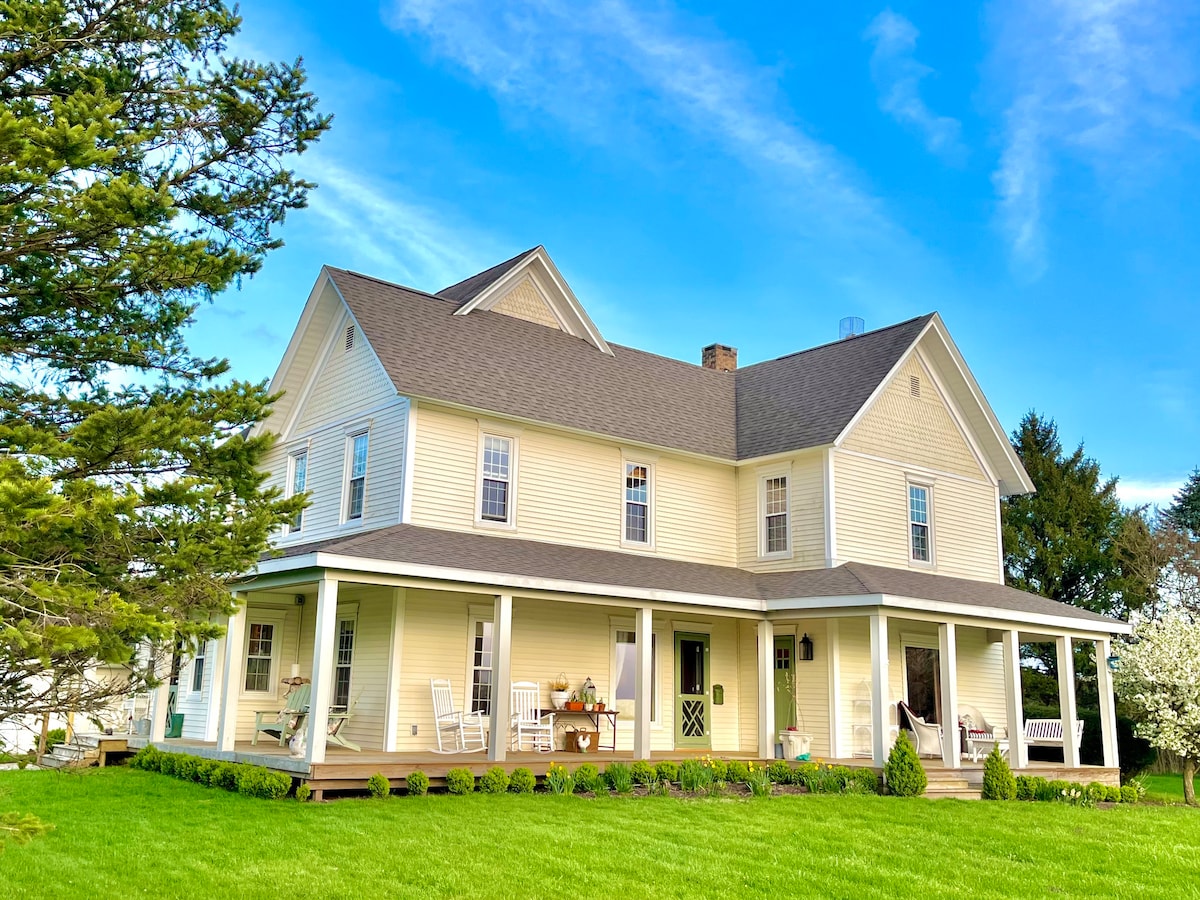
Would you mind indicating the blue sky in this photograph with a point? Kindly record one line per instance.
(750, 173)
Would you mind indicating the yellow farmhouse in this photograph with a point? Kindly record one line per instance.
(777, 557)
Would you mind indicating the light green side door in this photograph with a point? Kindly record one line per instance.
(692, 691)
(785, 681)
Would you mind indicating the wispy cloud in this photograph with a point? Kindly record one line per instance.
(392, 238)
(898, 74)
(1102, 82)
(617, 74)
(1155, 493)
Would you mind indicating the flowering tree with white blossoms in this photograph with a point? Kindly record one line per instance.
(1159, 677)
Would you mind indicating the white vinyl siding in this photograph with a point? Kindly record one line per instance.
(806, 515)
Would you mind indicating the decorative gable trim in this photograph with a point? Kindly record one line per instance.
(554, 289)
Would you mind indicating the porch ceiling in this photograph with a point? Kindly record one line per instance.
(409, 550)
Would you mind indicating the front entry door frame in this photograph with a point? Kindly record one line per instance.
(693, 709)
(785, 681)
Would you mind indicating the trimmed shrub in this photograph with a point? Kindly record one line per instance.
(862, 781)
(588, 778)
(1059, 789)
(494, 781)
(205, 769)
(1112, 793)
(559, 780)
(167, 763)
(225, 776)
(806, 774)
(186, 767)
(902, 772)
(1096, 792)
(257, 781)
(780, 772)
(417, 783)
(148, 759)
(1042, 790)
(1129, 794)
(719, 767)
(739, 772)
(378, 786)
(620, 779)
(642, 771)
(667, 771)
(522, 781)
(303, 792)
(1025, 787)
(998, 781)
(460, 781)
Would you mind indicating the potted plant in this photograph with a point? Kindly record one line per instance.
(574, 704)
(560, 691)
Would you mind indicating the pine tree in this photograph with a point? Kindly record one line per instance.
(142, 171)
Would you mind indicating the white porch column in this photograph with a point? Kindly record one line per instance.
(643, 680)
(159, 701)
(766, 689)
(1066, 699)
(324, 644)
(391, 713)
(1018, 755)
(215, 691)
(1108, 706)
(833, 641)
(879, 689)
(501, 678)
(948, 656)
(231, 676)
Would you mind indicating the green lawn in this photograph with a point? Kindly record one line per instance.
(1165, 788)
(121, 833)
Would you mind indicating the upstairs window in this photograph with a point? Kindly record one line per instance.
(495, 489)
(918, 523)
(637, 503)
(774, 504)
(357, 487)
(299, 479)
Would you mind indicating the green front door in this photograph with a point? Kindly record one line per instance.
(785, 681)
(692, 693)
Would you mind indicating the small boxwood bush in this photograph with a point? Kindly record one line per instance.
(1112, 793)
(719, 767)
(780, 772)
(460, 781)
(862, 781)
(494, 781)
(225, 776)
(522, 781)
(417, 783)
(1042, 790)
(1025, 787)
(667, 771)
(257, 781)
(902, 772)
(739, 772)
(588, 778)
(378, 786)
(642, 771)
(620, 779)
(998, 781)
(303, 792)
(1129, 794)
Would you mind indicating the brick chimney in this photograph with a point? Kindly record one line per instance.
(719, 357)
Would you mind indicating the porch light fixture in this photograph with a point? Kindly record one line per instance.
(806, 647)
(1114, 662)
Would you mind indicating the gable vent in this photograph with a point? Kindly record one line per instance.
(914, 385)
(349, 338)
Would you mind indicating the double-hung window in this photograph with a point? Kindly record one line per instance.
(299, 478)
(481, 667)
(773, 494)
(356, 488)
(625, 673)
(260, 653)
(637, 503)
(920, 535)
(198, 668)
(343, 660)
(496, 477)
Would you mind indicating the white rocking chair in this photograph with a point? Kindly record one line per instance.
(464, 732)
(527, 721)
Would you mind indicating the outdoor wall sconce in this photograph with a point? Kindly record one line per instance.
(806, 647)
(1114, 662)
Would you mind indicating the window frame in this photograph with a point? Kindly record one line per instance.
(510, 521)
(277, 619)
(909, 485)
(476, 618)
(200, 656)
(617, 628)
(352, 435)
(763, 547)
(920, 642)
(351, 616)
(296, 526)
(626, 463)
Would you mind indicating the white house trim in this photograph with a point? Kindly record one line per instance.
(830, 510)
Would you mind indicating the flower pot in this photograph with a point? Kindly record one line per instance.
(574, 706)
(558, 699)
(599, 707)
(587, 707)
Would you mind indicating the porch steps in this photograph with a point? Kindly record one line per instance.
(83, 751)
(950, 784)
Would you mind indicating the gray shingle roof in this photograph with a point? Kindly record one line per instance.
(469, 288)
(535, 559)
(505, 365)
(807, 398)
(494, 362)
